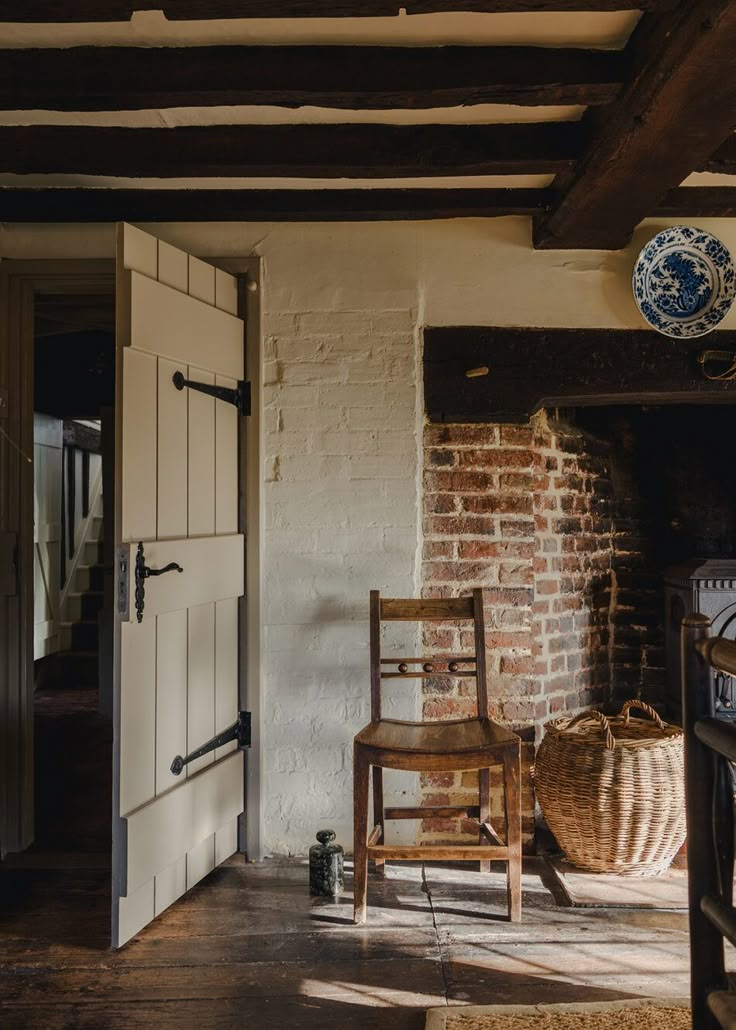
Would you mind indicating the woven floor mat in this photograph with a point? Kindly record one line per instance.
(641, 1014)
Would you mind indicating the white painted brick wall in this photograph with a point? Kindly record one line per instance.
(343, 401)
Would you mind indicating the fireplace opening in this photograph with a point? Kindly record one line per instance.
(673, 531)
(572, 523)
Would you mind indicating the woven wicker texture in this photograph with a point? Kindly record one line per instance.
(612, 790)
(632, 1019)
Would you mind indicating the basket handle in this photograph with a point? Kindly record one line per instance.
(644, 707)
(605, 725)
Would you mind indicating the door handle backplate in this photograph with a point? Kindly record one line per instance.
(144, 572)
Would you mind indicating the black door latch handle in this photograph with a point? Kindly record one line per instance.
(142, 573)
(239, 731)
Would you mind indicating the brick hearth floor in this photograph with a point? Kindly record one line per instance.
(249, 948)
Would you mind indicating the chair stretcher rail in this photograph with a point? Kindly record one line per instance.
(438, 853)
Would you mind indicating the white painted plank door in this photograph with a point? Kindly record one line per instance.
(176, 670)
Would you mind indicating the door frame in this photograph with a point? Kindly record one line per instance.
(20, 281)
(251, 518)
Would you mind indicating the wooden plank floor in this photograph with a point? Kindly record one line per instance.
(249, 948)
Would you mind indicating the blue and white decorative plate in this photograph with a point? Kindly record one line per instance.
(684, 282)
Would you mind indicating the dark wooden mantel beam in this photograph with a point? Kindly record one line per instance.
(330, 151)
(529, 369)
(677, 108)
(130, 78)
(122, 10)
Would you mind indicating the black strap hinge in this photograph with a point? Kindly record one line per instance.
(239, 731)
(240, 396)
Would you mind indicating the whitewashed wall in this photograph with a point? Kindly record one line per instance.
(343, 309)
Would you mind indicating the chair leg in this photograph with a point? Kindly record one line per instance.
(484, 791)
(378, 817)
(512, 796)
(361, 783)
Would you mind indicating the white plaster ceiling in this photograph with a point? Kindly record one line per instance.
(275, 182)
(480, 114)
(608, 30)
(709, 179)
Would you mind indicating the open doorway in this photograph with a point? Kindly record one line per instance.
(175, 480)
(74, 391)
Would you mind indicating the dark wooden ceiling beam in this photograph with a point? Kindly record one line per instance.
(154, 205)
(698, 202)
(122, 10)
(676, 109)
(724, 159)
(129, 78)
(54, 204)
(329, 151)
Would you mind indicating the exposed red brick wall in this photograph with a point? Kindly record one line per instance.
(523, 512)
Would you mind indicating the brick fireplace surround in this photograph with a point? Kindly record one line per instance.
(527, 512)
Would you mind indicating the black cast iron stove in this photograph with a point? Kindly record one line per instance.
(707, 586)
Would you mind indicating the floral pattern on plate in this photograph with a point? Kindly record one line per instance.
(684, 282)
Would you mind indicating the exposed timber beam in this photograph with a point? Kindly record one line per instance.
(150, 205)
(53, 204)
(698, 202)
(329, 151)
(724, 159)
(676, 109)
(550, 368)
(154, 205)
(122, 10)
(129, 78)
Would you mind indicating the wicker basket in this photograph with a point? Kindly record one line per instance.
(612, 790)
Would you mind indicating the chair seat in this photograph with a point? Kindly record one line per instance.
(439, 738)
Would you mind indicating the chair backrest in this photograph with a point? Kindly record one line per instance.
(456, 609)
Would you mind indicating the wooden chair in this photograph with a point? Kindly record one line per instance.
(452, 745)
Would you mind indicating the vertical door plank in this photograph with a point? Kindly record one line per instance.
(171, 883)
(226, 841)
(140, 251)
(201, 457)
(173, 470)
(173, 266)
(201, 720)
(226, 462)
(201, 280)
(226, 291)
(171, 695)
(134, 912)
(201, 682)
(140, 399)
(200, 861)
(137, 714)
(226, 669)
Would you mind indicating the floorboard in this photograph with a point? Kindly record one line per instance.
(249, 947)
